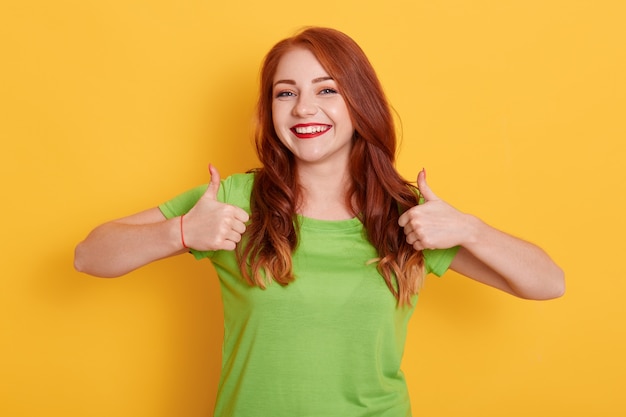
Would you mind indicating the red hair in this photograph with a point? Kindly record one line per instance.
(377, 192)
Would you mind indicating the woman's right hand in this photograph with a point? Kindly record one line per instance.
(120, 246)
(212, 225)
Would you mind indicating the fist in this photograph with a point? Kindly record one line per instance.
(212, 225)
(434, 224)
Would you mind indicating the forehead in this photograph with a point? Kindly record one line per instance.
(299, 64)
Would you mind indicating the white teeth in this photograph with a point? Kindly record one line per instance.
(311, 129)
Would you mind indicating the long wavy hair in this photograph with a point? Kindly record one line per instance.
(377, 193)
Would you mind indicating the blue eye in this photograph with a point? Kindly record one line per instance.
(328, 91)
(284, 94)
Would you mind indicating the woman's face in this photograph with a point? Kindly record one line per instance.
(310, 115)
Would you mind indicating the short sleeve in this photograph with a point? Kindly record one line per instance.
(182, 203)
(233, 190)
(437, 261)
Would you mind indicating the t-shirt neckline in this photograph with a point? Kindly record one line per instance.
(319, 224)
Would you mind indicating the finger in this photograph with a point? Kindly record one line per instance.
(239, 227)
(417, 242)
(407, 228)
(408, 218)
(234, 236)
(228, 245)
(411, 238)
(414, 242)
(403, 220)
(214, 185)
(418, 246)
(423, 187)
(242, 215)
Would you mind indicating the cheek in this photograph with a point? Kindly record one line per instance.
(279, 126)
(278, 116)
(340, 113)
(342, 120)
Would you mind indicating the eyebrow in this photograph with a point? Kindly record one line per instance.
(314, 81)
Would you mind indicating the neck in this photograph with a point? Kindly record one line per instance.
(324, 193)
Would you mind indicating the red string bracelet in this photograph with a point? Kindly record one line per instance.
(182, 235)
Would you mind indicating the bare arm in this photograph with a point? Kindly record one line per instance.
(486, 255)
(510, 264)
(120, 246)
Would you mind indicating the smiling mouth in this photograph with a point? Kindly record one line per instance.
(310, 131)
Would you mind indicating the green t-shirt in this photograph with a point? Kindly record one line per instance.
(328, 344)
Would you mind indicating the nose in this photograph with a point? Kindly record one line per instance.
(305, 106)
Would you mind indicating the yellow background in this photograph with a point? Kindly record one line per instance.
(516, 109)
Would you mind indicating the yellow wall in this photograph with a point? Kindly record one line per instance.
(516, 108)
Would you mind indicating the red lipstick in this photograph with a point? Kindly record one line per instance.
(310, 130)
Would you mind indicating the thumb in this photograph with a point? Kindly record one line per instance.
(423, 187)
(214, 185)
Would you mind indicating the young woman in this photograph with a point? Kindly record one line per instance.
(321, 251)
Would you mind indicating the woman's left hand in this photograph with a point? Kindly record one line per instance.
(434, 224)
(486, 254)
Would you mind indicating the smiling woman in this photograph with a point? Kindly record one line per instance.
(310, 115)
(320, 252)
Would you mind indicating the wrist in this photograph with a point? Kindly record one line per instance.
(182, 232)
(474, 230)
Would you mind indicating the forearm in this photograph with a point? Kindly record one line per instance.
(116, 248)
(525, 269)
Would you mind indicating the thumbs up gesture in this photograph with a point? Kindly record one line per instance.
(434, 224)
(212, 225)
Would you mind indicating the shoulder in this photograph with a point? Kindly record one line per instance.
(238, 181)
(236, 190)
